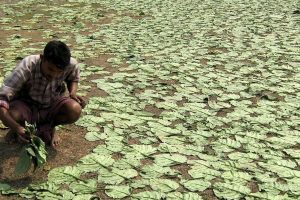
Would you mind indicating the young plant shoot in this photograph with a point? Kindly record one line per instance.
(32, 153)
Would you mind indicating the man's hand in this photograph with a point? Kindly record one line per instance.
(15, 127)
(22, 137)
(78, 99)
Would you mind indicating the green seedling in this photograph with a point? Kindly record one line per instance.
(33, 153)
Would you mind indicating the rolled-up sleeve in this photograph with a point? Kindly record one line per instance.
(14, 82)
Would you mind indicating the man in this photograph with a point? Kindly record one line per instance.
(35, 92)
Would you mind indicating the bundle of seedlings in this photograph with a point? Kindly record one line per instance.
(32, 153)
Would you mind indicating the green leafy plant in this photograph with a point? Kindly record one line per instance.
(32, 153)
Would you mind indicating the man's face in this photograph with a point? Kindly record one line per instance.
(50, 71)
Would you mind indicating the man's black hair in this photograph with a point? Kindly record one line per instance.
(58, 53)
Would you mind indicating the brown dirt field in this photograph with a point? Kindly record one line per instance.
(73, 147)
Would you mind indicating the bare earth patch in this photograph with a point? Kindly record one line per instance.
(73, 147)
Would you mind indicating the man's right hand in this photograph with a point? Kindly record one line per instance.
(10, 122)
(22, 137)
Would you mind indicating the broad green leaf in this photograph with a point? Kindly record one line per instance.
(163, 185)
(38, 146)
(201, 171)
(94, 136)
(26, 193)
(127, 163)
(195, 185)
(295, 153)
(4, 186)
(161, 130)
(93, 162)
(169, 159)
(274, 187)
(148, 195)
(47, 195)
(48, 186)
(269, 196)
(191, 150)
(103, 160)
(218, 105)
(87, 187)
(235, 175)
(84, 197)
(242, 157)
(108, 177)
(184, 196)
(230, 190)
(145, 150)
(102, 150)
(117, 192)
(280, 170)
(126, 173)
(24, 162)
(114, 145)
(140, 183)
(169, 148)
(265, 177)
(155, 171)
(229, 142)
(64, 174)
(174, 140)
(191, 196)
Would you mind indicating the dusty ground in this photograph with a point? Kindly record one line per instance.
(73, 147)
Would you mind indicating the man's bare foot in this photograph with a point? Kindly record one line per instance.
(11, 137)
(55, 140)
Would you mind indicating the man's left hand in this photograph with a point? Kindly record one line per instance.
(78, 99)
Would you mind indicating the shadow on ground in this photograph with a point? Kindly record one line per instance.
(8, 160)
(73, 147)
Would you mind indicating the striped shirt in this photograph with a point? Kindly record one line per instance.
(27, 81)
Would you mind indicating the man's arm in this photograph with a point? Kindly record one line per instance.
(11, 123)
(72, 87)
(12, 85)
(72, 82)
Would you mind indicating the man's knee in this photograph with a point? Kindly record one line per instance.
(16, 115)
(73, 111)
